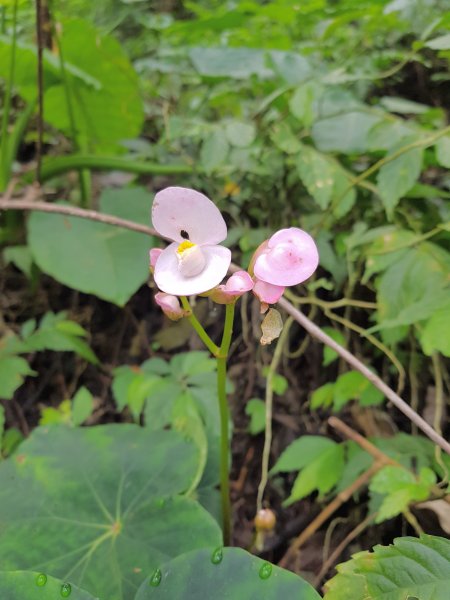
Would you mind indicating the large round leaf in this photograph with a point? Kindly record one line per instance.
(25, 585)
(110, 262)
(100, 507)
(228, 573)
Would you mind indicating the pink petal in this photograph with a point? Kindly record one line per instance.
(154, 255)
(236, 286)
(182, 214)
(169, 279)
(290, 257)
(266, 292)
(170, 306)
(239, 283)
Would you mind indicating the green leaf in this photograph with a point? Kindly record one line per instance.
(325, 180)
(13, 370)
(20, 256)
(440, 43)
(321, 474)
(214, 150)
(2, 421)
(401, 488)
(26, 585)
(82, 406)
(354, 386)
(227, 573)
(56, 333)
(397, 177)
(434, 335)
(256, 410)
(102, 116)
(347, 133)
(410, 567)
(323, 396)
(101, 503)
(301, 452)
(285, 139)
(413, 288)
(443, 151)
(240, 134)
(330, 355)
(237, 63)
(304, 102)
(110, 262)
(11, 439)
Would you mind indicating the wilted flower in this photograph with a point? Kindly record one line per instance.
(194, 263)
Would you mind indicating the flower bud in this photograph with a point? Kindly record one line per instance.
(265, 520)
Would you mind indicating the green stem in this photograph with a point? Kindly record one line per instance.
(4, 154)
(197, 326)
(224, 421)
(62, 164)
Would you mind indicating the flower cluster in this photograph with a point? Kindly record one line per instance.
(196, 263)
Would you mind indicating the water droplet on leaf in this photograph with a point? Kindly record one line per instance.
(66, 590)
(217, 556)
(155, 579)
(265, 571)
(41, 579)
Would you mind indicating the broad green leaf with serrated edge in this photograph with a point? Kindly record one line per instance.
(301, 452)
(320, 474)
(419, 568)
(347, 133)
(13, 369)
(26, 585)
(434, 336)
(323, 396)
(110, 262)
(101, 503)
(225, 574)
(397, 176)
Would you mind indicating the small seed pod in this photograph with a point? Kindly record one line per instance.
(265, 520)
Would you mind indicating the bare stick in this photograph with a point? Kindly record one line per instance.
(330, 509)
(298, 316)
(354, 362)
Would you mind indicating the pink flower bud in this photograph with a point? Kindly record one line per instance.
(237, 285)
(154, 255)
(170, 306)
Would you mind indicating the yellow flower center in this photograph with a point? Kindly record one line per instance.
(184, 246)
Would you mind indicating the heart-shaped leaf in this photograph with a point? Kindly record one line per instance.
(100, 507)
(25, 585)
(224, 573)
(110, 262)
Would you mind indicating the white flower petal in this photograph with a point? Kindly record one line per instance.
(170, 280)
(184, 214)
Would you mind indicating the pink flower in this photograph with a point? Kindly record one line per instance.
(170, 305)
(154, 255)
(194, 263)
(267, 292)
(289, 257)
(236, 286)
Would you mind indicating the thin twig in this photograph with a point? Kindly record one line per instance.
(268, 415)
(334, 556)
(298, 316)
(330, 509)
(354, 362)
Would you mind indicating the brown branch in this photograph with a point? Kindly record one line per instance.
(354, 362)
(330, 509)
(298, 316)
(362, 442)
